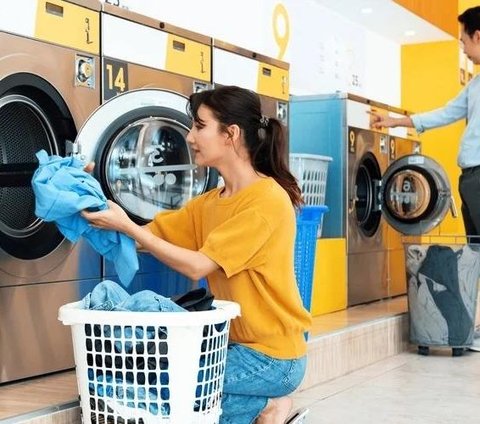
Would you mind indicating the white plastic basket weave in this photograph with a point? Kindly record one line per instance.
(311, 174)
(150, 367)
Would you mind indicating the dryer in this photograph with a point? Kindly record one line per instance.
(269, 77)
(143, 160)
(366, 207)
(49, 85)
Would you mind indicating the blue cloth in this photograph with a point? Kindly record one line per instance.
(465, 105)
(110, 296)
(62, 190)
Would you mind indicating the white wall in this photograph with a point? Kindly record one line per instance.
(326, 51)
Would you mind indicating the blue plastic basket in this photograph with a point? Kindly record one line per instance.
(308, 220)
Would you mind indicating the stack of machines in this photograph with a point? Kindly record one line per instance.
(378, 188)
(145, 163)
(111, 86)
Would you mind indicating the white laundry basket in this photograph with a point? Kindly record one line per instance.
(150, 367)
(311, 173)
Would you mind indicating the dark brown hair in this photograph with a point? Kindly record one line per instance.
(264, 137)
(470, 19)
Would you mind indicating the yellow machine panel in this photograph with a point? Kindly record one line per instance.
(329, 287)
(273, 81)
(187, 57)
(68, 25)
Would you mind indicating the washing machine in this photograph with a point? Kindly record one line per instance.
(269, 77)
(49, 85)
(366, 230)
(368, 205)
(143, 160)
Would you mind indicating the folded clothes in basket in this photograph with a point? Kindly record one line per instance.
(123, 358)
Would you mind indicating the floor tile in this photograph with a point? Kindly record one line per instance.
(408, 388)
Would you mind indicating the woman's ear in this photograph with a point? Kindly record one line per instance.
(234, 132)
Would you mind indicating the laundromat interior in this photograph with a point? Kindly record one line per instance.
(85, 77)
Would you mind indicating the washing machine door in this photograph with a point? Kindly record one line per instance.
(415, 194)
(143, 161)
(26, 242)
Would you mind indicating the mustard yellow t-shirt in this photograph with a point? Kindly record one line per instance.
(251, 236)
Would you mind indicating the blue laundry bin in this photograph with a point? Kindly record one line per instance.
(309, 219)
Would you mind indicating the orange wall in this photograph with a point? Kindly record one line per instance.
(441, 13)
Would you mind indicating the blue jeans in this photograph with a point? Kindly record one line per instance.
(251, 378)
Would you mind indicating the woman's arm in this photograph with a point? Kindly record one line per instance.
(191, 263)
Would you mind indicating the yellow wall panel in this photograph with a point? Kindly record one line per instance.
(329, 292)
(430, 78)
(466, 4)
(441, 13)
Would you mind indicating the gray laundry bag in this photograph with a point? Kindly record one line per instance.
(442, 287)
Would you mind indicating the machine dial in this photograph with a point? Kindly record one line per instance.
(85, 71)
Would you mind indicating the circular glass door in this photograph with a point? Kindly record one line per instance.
(416, 194)
(25, 128)
(148, 167)
(367, 212)
(143, 161)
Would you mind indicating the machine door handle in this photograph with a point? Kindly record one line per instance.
(453, 207)
(353, 200)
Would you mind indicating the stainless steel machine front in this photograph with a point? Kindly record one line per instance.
(49, 84)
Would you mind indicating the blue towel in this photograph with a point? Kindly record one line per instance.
(62, 190)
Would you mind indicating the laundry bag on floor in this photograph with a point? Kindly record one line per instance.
(150, 367)
(442, 279)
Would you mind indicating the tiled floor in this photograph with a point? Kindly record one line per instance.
(404, 389)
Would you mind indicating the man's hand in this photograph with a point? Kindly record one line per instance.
(379, 121)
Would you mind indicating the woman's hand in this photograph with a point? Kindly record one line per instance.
(113, 218)
(89, 167)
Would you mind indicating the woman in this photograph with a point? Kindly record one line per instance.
(241, 238)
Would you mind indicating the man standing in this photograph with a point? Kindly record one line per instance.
(465, 105)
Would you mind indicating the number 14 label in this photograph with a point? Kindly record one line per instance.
(115, 78)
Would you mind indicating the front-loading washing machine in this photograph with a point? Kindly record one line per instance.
(143, 160)
(361, 211)
(49, 85)
(268, 77)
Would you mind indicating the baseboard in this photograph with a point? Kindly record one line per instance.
(334, 354)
